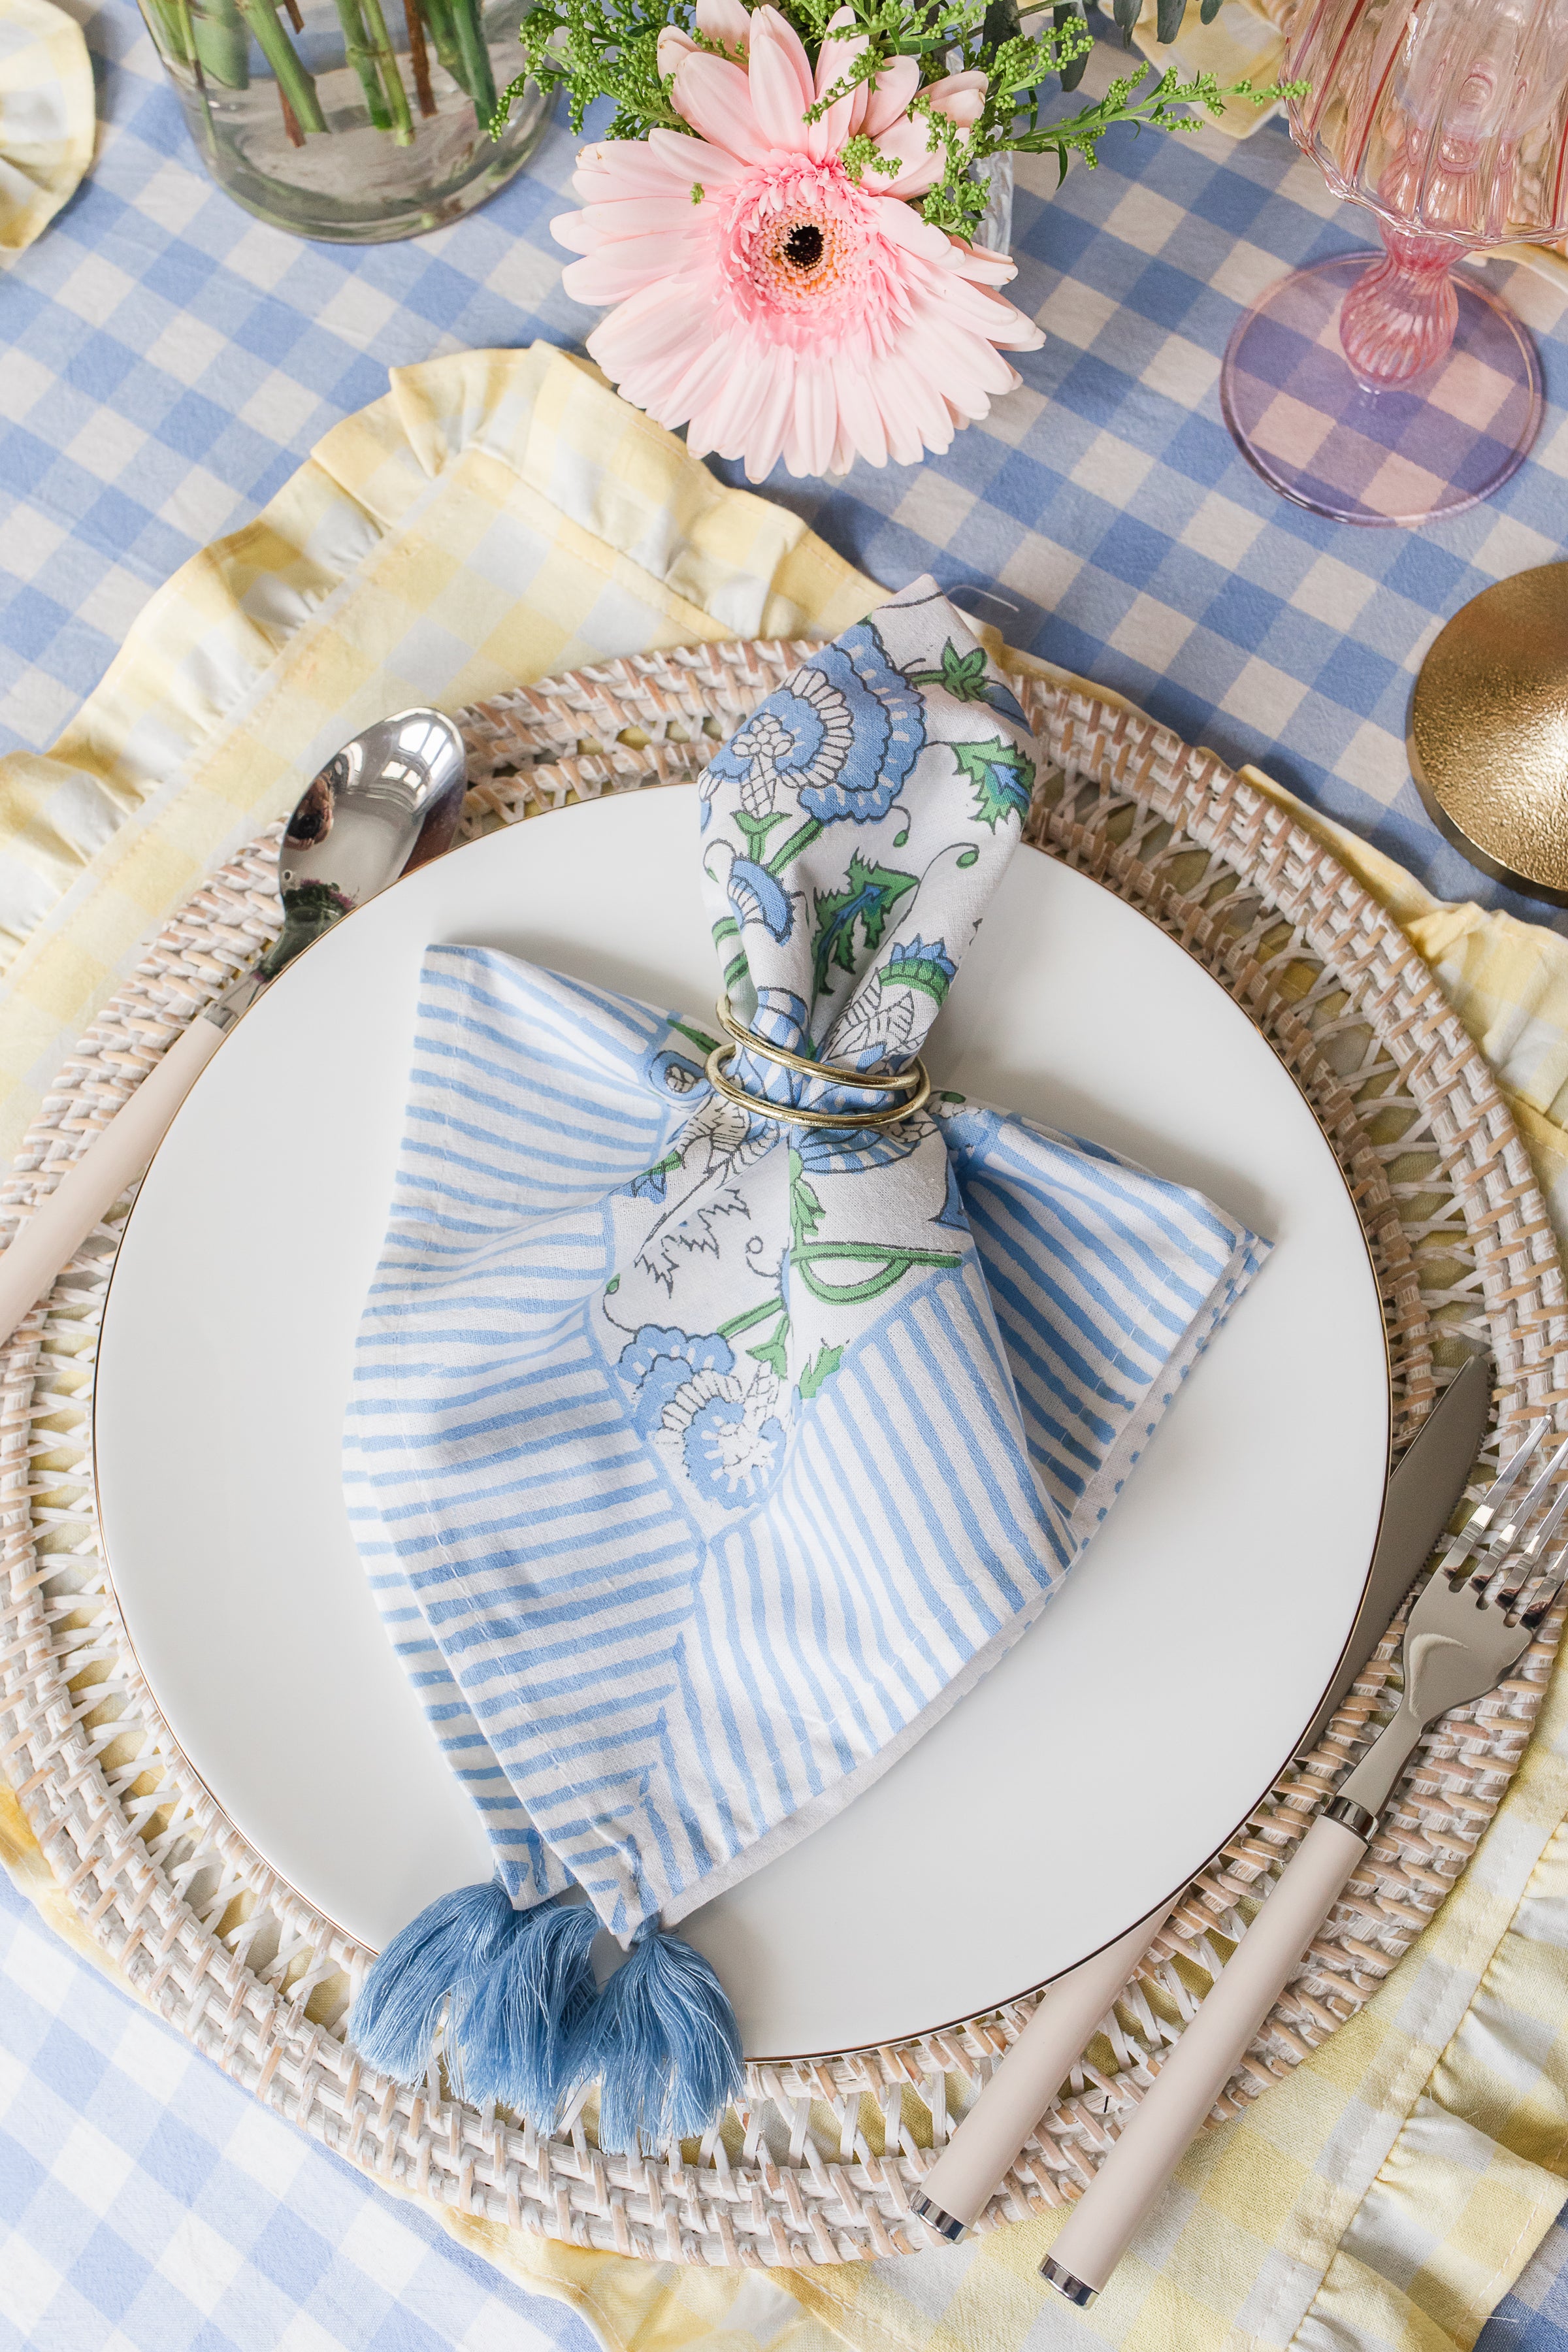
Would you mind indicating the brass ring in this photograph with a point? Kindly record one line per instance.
(789, 1115)
(899, 1081)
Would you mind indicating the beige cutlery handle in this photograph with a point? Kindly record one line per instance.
(91, 1186)
(981, 2150)
(1156, 2135)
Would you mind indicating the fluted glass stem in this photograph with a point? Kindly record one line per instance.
(1398, 319)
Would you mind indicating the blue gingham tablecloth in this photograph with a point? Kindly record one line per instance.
(165, 363)
(148, 2201)
(168, 362)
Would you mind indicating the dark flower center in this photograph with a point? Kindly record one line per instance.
(804, 244)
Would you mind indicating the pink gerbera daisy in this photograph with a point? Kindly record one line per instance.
(766, 299)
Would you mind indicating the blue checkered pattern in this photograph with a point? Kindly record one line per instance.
(1534, 2317)
(167, 363)
(146, 2201)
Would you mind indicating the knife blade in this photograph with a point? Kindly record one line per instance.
(1427, 1483)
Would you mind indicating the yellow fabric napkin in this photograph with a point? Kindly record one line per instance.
(1243, 43)
(47, 118)
(499, 516)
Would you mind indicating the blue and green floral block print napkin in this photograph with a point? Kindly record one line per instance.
(701, 1459)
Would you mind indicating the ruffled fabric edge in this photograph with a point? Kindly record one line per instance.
(48, 117)
(271, 645)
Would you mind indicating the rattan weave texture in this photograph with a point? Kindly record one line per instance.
(818, 2163)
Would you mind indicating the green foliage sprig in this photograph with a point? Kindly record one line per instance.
(609, 49)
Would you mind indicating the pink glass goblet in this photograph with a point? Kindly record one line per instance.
(1385, 387)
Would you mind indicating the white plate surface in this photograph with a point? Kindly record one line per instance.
(1097, 1766)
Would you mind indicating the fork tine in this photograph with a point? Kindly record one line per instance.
(1524, 1556)
(1549, 1584)
(1505, 1536)
(1503, 1484)
(1478, 1525)
(1507, 1563)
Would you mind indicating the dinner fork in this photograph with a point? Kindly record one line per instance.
(1474, 1618)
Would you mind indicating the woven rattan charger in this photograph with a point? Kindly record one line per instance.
(818, 2162)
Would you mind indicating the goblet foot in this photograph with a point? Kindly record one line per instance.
(1321, 436)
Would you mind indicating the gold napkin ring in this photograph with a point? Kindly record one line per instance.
(914, 1081)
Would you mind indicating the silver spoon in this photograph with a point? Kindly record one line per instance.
(386, 802)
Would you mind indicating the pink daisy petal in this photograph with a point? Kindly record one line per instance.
(687, 160)
(723, 400)
(969, 371)
(921, 164)
(965, 107)
(861, 418)
(673, 45)
(767, 22)
(840, 46)
(712, 380)
(960, 96)
(987, 269)
(927, 408)
(890, 94)
(765, 447)
(905, 447)
(715, 98)
(840, 51)
(819, 408)
(1001, 322)
(576, 232)
(793, 442)
(775, 83)
(843, 118)
(726, 21)
(643, 333)
(638, 217)
(637, 167)
(904, 227)
(613, 271)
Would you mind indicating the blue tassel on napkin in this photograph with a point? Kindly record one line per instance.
(701, 1458)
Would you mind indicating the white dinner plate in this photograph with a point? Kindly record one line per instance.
(1090, 1774)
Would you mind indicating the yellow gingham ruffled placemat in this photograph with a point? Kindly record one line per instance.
(501, 515)
(47, 117)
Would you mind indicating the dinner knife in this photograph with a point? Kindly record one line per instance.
(1422, 1493)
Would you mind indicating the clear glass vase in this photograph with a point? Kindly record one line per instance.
(996, 229)
(353, 121)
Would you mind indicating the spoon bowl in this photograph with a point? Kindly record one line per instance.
(386, 802)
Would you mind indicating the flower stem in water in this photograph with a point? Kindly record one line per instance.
(391, 79)
(419, 58)
(478, 80)
(356, 42)
(438, 16)
(295, 84)
(174, 30)
(175, 20)
(220, 42)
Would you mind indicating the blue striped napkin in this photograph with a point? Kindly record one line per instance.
(701, 1458)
